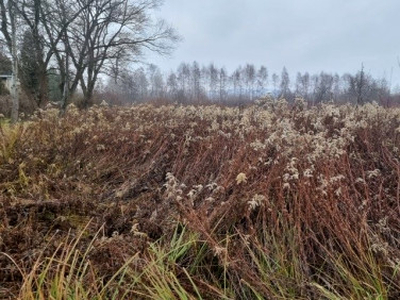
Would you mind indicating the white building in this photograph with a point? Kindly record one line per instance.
(7, 80)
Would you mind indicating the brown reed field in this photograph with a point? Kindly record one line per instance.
(269, 201)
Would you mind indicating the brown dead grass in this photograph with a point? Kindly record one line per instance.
(316, 214)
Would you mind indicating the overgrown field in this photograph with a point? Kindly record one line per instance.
(181, 202)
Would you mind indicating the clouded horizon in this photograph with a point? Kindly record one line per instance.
(334, 36)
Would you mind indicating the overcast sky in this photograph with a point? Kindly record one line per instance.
(303, 35)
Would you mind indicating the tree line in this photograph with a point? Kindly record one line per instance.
(191, 83)
(54, 48)
(75, 41)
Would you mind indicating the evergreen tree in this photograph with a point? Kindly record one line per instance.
(29, 68)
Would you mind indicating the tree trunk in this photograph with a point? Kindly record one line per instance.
(64, 84)
(88, 100)
(43, 87)
(88, 91)
(15, 81)
(15, 96)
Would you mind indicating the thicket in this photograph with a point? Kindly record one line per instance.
(271, 201)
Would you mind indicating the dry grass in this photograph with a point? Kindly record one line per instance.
(186, 202)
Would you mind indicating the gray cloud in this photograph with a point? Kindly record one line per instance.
(303, 35)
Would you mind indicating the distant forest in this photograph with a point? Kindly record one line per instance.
(195, 83)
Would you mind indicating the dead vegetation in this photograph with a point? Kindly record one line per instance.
(188, 202)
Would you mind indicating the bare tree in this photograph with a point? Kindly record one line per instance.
(89, 36)
(361, 88)
(196, 81)
(275, 82)
(213, 75)
(262, 80)
(48, 22)
(30, 12)
(222, 84)
(336, 90)
(360, 83)
(183, 80)
(237, 83)
(285, 83)
(249, 73)
(156, 81)
(9, 32)
(141, 85)
(172, 86)
(323, 87)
